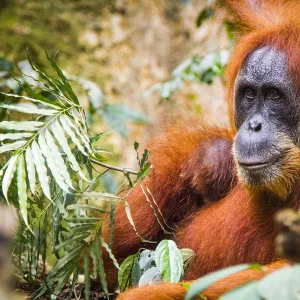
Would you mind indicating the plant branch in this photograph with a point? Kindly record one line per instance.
(114, 168)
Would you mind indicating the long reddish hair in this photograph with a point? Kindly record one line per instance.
(274, 23)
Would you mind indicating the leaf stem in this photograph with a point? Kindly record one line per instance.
(114, 168)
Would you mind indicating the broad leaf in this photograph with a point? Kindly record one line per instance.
(150, 277)
(203, 283)
(281, 284)
(124, 274)
(244, 292)
(169, 261)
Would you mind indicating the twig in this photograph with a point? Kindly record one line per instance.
(114, 168)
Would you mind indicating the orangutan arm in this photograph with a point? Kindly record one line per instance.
(189, 166)
(171, 291)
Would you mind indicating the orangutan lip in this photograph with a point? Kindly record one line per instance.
(257, 165)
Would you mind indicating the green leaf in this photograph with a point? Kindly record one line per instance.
(109, 183)
(77, 227)
(127, 175)
(39, 98)
(64, 80)
(39, 162)
(169, 261)
(22, 189)
(135, 272)
(72, 240)
(32, 99)
(84, 138)
(12, 146)
(115, 116)
(101, 271)
(15, 136)
(30, 109)
(150, 277)
(30, 169)
(245, 292)
(99, 196)
(125, 113)
(20, 125)
(93, 91)
(95, 138)
(130, 219)
(87, 279)
(111, 256)
(82, 220)
(58, 158)
(9, 174)
(124, 274)
(64, 277)
(94, 258)
(59, 134)
(5, 65)
(114, 122)
(281, 284)
(186, 254)
(136, 145)
(69, 131)
(111, 225)
(205, 14)
(88, 207)
(67, 258)
(52, 164)
(203, 283)
(144, 158)
(144, 171)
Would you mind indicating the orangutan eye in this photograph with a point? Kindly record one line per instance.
(273, 94)
(250, 93)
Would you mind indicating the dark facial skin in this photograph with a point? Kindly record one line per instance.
(267, 116)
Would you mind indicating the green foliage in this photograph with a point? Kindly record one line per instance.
(281, 284)
(196, 69)
(203, 283)
(205, 14)
(166, 263)
(127, 272)
(169, 261)
(48, 175)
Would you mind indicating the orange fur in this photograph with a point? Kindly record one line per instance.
(170, 291)
(193, 167)
(171, 184)
(273, 23)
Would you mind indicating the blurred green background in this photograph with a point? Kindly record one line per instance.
(124, 47)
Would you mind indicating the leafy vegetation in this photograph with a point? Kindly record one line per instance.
(166, 264)
(48, 175)
(282, 284)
